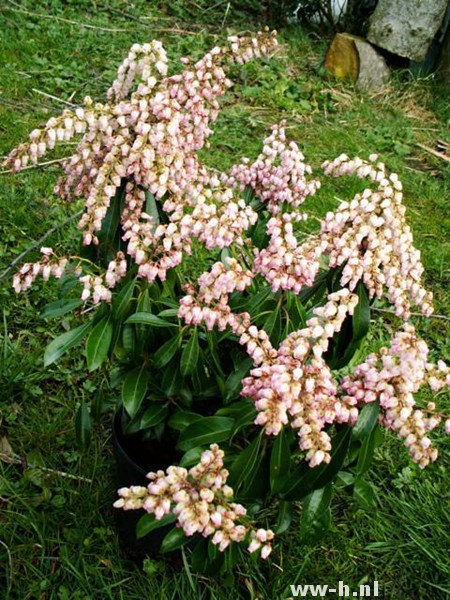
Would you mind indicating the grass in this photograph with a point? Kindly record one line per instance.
(57, 537)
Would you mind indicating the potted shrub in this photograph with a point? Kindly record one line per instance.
(233, 333)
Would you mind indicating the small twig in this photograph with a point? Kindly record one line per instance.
(227, 10)
(125, 14)
(70, 21)
(413, 314)
(37, 165)
(10, 578)
(38, 243)
(15, 460)
(434, 152)
(53, 97)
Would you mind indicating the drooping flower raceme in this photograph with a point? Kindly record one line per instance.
(202, 502)
(392, 377)
(369, 237)
(149, 139)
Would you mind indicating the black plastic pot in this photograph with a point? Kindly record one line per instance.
(135, 458)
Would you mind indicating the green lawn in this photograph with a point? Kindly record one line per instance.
(57, 537)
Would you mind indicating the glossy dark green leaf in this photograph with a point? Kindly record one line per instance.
(233, 383)
(280, 460)
(365, 455)
(367, 420)
(154, 415)
(60, 307)
(182, 418)
(65, 342)
(148, 523)
(365, 494)
(191, 457)
(272, 326)
(151, 207)
(284, 517)
(316, 515)
(243, 412)
(110, 225)
(174, 539)
(168, 312)
(172, 383)
(134, 388)
(123, 301)
(206, 431)
(166, 352)
(246, 462)
(257, 300)
(83, 426)
(143, 318)
(190, 354)
(98, 343)
(361, 315)
(199, 556)
(129, 339)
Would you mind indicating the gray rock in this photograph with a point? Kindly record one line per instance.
(373, 72)
(406, 27)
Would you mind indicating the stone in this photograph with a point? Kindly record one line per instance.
(406, 27)
(351, 57)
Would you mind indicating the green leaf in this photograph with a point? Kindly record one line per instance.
(65, 342)
(83, 426)
(233, 383)
(206, 431)
(365, 494)
(154, 415)
(98, 343)
(60, 307)
(148, 523)
(172, 383)
(199, 556)
(151, 207)
(190, 354)
(361, 315)
(168, 312)
(316, 515)
(367, 420)
(143, 318)
(246, 463)
(284, 518)
(243, 412)
(122, 302)
(134, 389)
(280, 460)
(365, 456)
(174, 539)
(129, 339)
(272, 326)
(257, 300)
(166, 352)
(191, 457)
(182, 418)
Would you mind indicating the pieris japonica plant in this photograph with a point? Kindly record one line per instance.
(234, 334)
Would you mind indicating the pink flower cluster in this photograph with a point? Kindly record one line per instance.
(285, 263)
(278, 175)
(209, 304)
(48, 266)
(392, 377)
(150, 138)
(370, 238)
(201, 500)
(297, 388)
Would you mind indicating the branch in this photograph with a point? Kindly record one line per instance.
(38, 243)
